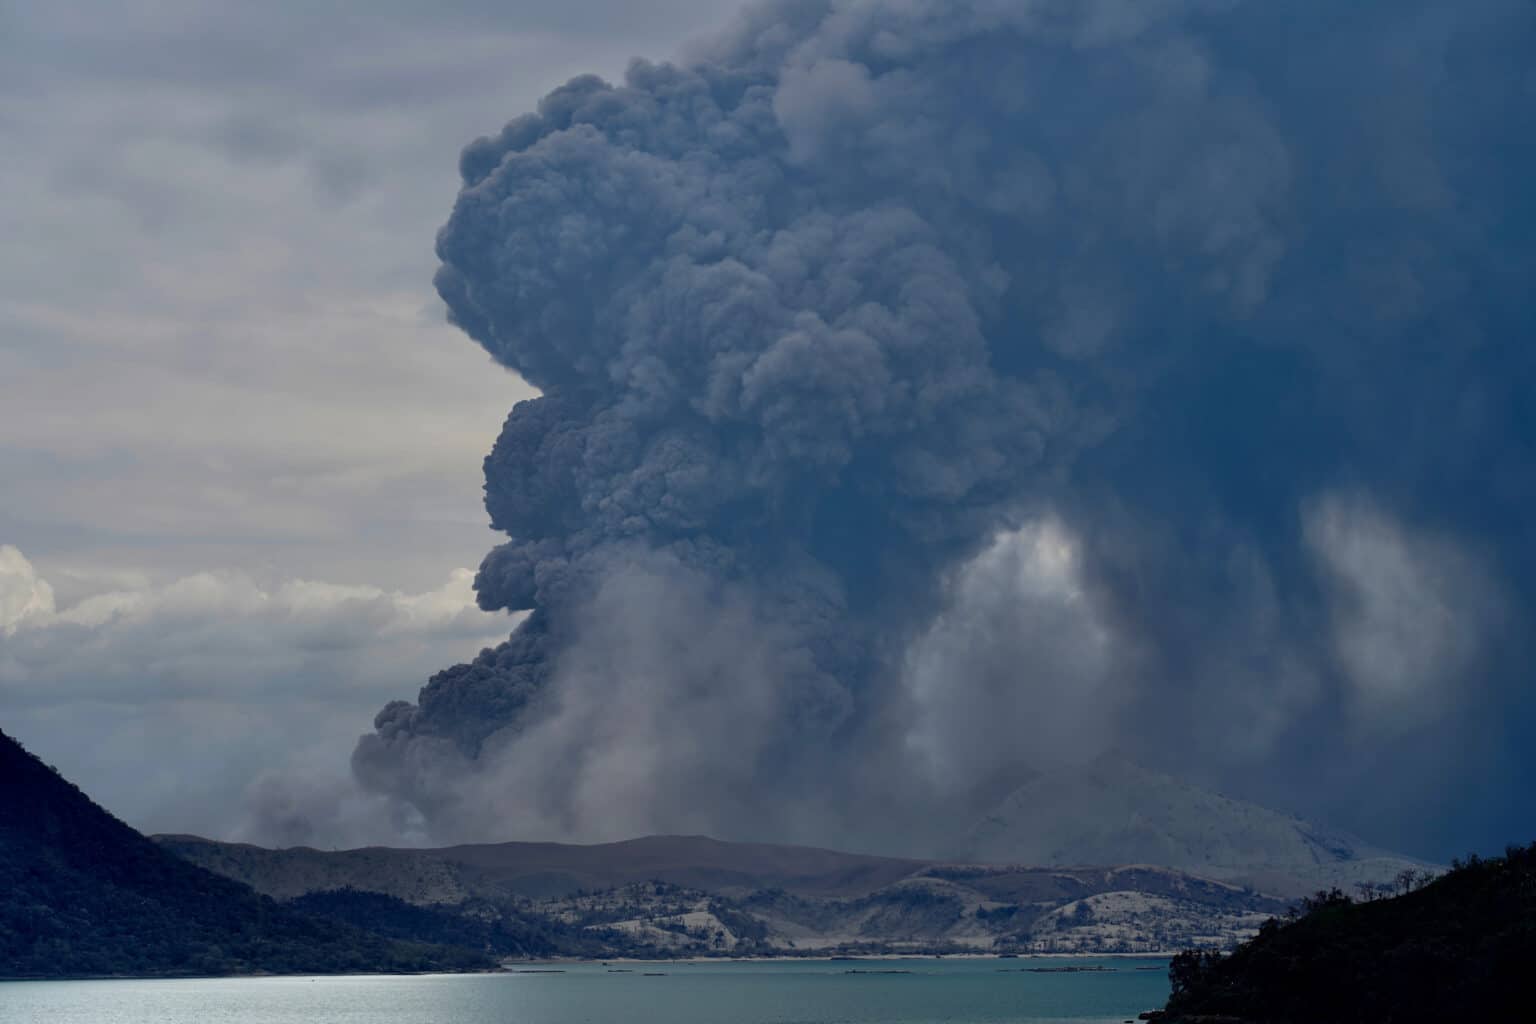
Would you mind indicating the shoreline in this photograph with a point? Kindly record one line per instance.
(7, 979)
(512, 966)
(844, 958)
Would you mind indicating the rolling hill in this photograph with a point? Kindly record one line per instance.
(1204, 870)
(692, 895)
(1116, 812)
(548, 870)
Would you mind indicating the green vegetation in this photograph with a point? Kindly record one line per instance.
(503, 929)
(82, 894)
(1460, 947)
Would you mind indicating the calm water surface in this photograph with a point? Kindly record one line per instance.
(951, 991)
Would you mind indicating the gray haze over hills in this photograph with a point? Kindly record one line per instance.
(1109, 857)
(1115, 812)
(1110, 813)
(930, 389)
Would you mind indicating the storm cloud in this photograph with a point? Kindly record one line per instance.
(937, 391)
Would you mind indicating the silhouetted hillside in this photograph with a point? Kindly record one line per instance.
(81, 893)
(1459, 949)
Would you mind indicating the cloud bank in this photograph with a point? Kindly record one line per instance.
(168, 702)
(933, 391)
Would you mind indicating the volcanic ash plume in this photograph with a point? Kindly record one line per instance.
(934, 388)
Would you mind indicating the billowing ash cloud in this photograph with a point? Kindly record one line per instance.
(932, 390)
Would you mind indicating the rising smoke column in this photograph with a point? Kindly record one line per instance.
(1204, 304)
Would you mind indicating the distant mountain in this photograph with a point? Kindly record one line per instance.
(1206, 871)
(691, 895)
(1116, 812)
(1457, 949)
(83, 894)
(542, 870)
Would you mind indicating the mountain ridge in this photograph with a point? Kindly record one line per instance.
(694, 895)
(1109, 813)
(1116, 811)
(538, 869)
(1104, 857)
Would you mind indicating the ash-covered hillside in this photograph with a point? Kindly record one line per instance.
(690, 895)
(1186, 867)
(1114, 811)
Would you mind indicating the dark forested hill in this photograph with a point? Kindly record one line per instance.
(81, 893)
(1461, 948)
(493, 929)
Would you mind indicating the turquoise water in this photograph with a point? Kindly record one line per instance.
(798, 992)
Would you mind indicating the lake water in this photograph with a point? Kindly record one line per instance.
(954, 991)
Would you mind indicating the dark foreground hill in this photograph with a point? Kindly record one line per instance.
(83, 894)
(1462, 948)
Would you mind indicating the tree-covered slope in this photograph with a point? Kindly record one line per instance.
(1462, 948)
(81, 893)
(489, 928)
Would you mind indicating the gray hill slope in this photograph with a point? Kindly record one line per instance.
(692, 895)
(1204, 869)
(1116, 812)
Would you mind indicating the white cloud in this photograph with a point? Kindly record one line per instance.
(23, 594)
(165, 701)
